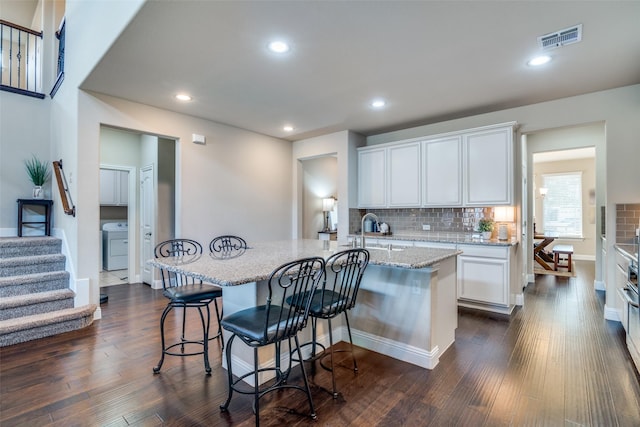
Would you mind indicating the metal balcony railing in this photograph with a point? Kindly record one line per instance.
(20, 60)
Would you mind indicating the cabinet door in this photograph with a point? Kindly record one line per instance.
(123, 188)
(372, 178)
(489, 167)
(483, 279)
(442, 172)
(108, 190)
(404, 175)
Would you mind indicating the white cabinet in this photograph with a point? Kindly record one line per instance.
(488, 157)
(404, 175)
(389, 176)
(485, 274)
(468, 168)
(114, 187)
(442, 172)
(372, 178)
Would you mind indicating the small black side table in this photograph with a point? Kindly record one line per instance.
(47, 214)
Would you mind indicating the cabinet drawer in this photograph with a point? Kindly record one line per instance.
(501, 252)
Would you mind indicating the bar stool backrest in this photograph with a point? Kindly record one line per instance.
(227, 246)
(344, 275)
(296, 282)
(183, 251)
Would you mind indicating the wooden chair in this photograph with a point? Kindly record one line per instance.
(562, 257)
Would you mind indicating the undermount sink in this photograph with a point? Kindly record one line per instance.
(379, 248)
(384, 248)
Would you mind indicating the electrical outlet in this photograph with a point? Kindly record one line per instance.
(426, 227)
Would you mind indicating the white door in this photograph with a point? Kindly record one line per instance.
(147, 222)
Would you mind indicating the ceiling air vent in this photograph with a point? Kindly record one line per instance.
(561, 38)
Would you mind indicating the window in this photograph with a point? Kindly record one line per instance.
(562, 205)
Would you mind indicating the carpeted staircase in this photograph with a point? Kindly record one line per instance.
(35, 299)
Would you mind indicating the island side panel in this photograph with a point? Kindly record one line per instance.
(394, 313)
(444, 304)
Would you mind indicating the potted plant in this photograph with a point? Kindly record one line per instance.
(485, 226)
(39, 173)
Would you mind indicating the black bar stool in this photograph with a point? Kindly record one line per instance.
(273, 323)
(186, 292)
(337, 296)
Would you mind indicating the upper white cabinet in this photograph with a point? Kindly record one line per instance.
(114, 187)
(489, 167)
(389, 176)
(442, 172)
(404, 175)
(372, 168)
(467, 168)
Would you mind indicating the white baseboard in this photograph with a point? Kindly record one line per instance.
(520, 299)
(531, 278)
(406, 353)
(611, 313)
(8, 232)
(599, 285)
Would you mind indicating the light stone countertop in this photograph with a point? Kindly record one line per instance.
(440, 237)
(260, 259)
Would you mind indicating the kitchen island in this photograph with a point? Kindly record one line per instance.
(406, 307)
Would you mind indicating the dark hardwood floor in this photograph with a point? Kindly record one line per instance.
(555, 362)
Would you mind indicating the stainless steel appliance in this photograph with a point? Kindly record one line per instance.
(632, 317)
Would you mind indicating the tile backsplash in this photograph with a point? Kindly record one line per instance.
(454, 220)
(627, 220)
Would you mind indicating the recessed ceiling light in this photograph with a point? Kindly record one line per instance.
(183, 97)
(539, 60)
(278, 46)
(378, 103)
(287, 128)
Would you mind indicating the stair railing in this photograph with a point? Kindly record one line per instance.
(65, 195)
(21, 60)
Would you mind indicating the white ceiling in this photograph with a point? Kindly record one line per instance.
(431, 60)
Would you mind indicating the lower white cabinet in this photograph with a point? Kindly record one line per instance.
(485, 275)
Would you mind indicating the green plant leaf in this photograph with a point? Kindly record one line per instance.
(38, 171)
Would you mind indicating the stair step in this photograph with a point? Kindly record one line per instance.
(22, 246)
(31, 283)
(41, 302)
(22, 329)
(19, 266)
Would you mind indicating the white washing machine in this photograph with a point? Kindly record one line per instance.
(115, 246)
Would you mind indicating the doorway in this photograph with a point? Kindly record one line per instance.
(572, 152)
(319, 181)
(135, 156)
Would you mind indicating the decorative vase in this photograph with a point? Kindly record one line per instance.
(486, 235)
(38, 193)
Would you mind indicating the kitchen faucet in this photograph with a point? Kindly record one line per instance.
(362, 226)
